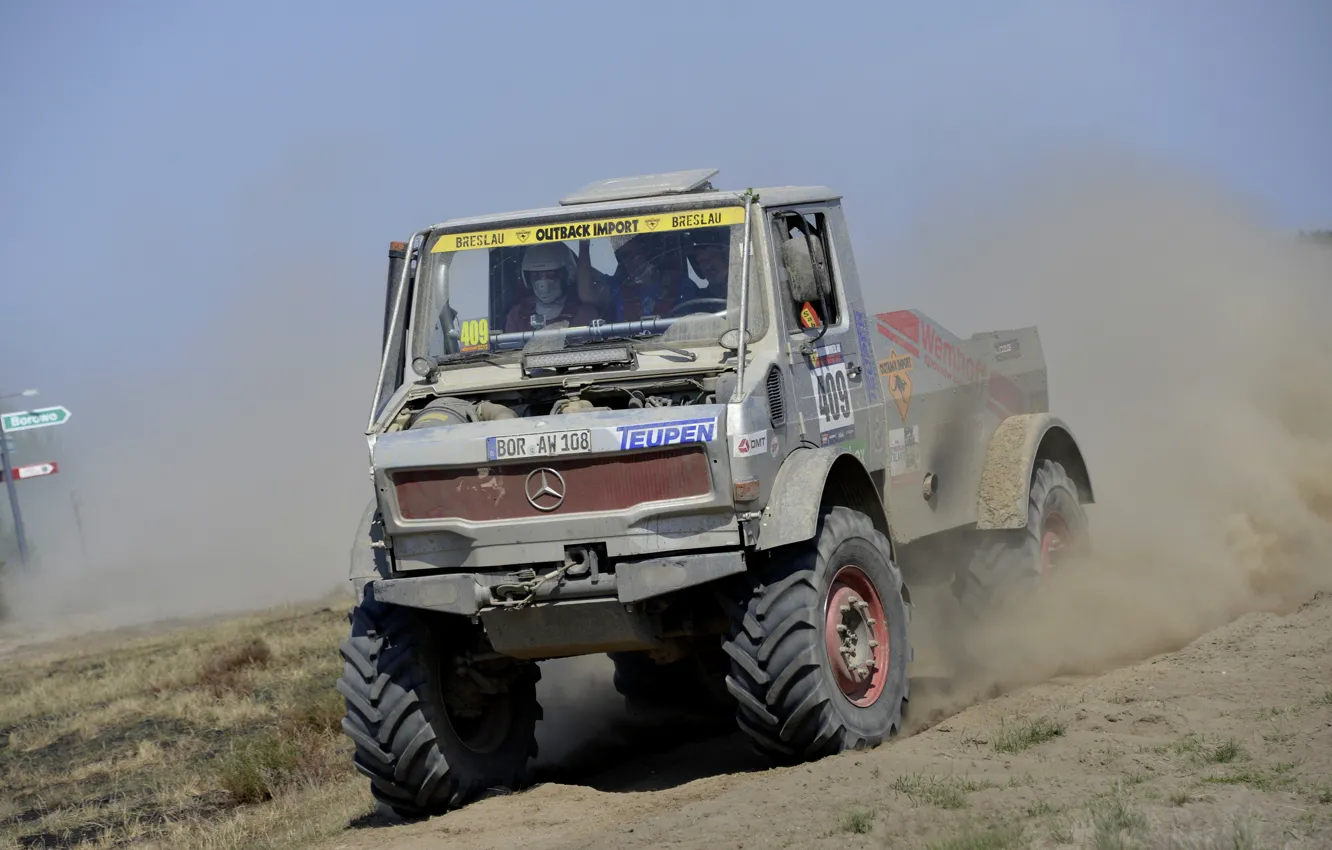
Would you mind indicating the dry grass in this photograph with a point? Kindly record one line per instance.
(222, 736)
(1026, 733)
(225, 671)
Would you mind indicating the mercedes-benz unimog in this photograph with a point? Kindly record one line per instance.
(659, 421)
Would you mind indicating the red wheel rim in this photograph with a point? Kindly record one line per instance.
(1054, 536)
(856, 636)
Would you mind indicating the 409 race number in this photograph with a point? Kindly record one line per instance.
(474, 334)
(832, 394)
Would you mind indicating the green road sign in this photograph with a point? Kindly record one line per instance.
(27, 419)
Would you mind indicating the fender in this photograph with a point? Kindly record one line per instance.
(810, 479)
(1005, 481)
(368, 560)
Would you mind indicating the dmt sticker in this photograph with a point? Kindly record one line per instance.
(744, 445)
(654, 434)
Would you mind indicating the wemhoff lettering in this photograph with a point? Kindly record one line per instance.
(654, 434)
(953, 357)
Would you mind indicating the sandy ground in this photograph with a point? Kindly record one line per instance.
(1225, 742)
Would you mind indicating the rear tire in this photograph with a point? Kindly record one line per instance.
(804, 688)
(428, 739)
(1011, 564)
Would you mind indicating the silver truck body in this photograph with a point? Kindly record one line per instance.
(929, 434)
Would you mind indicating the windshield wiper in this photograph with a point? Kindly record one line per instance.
(638, 349)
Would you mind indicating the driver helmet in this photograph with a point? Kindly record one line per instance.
(548, 270)
(651, 249)
(718, 238)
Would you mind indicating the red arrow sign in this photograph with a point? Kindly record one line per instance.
(35, 470)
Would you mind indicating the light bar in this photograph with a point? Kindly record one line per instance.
(579, 357)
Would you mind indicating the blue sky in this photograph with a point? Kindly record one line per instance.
(163, 161)
(134, 131)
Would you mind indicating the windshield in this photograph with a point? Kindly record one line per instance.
(665, 278)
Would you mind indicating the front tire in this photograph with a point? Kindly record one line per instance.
(819, 644)
(428, 736)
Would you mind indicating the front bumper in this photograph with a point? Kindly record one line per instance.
(594, 612)
(468, 594)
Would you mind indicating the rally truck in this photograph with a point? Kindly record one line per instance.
(658, 421)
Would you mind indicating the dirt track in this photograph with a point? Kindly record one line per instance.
(1226, 742)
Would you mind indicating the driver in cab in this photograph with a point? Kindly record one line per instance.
(549, 272)
(648, 280)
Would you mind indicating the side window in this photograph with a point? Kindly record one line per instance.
(805, 268)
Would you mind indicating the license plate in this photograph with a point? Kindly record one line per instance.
(544, 444)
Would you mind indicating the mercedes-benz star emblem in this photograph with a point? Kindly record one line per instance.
(545, 489)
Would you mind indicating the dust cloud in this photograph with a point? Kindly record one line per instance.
(1187, 347)
(1188, 350)
(230, 472)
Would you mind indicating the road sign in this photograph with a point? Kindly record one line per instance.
(26, 420)
(35, 470)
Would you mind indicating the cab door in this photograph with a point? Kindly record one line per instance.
(832, 367)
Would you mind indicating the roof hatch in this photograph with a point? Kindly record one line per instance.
(643, 186)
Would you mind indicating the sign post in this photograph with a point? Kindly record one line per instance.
(24, 420)
(13, 502)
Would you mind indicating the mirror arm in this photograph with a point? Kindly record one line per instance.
(741, 348)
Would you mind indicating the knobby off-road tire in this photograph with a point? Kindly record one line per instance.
(421, 759)
(795, 698)
(1011, 564)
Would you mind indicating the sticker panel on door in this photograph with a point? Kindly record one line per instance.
(832, 396)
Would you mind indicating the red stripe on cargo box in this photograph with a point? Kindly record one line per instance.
(904, 322)
(900, 337)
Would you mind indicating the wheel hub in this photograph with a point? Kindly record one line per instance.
(476, 706)
(856, 635)
(1054, 538)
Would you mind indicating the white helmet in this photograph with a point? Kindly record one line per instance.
(549, 256)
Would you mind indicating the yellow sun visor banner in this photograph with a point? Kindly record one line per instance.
(590, 229)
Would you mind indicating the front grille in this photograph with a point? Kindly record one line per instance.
(592, 484)
(776, 404)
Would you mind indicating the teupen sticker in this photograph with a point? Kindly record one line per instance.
(653, 435)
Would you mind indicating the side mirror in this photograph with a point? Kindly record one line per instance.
(808, 277)
(730, 340)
